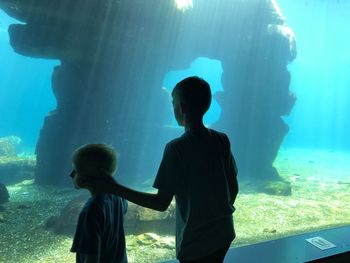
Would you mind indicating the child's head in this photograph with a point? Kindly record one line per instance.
(92, 161)
(193, 95)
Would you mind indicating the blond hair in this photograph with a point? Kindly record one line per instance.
(95, 159)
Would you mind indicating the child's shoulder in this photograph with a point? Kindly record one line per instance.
(217, 133)
(188, 138)
(177, 140)
(98, 200)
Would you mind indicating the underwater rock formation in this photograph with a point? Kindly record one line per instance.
(16, 169)
(66, 221)
(151, 240)
(143, 220)
(114, 55)
(4, 194)
(276, 188)
(8, 146)
(252, 116)
(103, 79)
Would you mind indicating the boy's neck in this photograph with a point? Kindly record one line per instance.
(194, 125)
(94, 192)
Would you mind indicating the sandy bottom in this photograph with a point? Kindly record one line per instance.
(320, 199)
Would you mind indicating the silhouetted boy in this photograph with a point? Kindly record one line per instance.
(200, 171)
(99, 236)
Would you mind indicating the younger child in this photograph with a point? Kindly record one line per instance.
(99, 236)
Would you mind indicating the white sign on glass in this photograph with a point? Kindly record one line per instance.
(320, 242)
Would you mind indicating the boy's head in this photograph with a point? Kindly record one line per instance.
(92, 161)
(191, 96)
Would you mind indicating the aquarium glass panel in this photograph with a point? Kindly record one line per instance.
(80, 72)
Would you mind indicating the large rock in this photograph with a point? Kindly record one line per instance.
(8, 146)
(66, 221)
(140, 220)
(57, 29)
(16, 169)
(4, 194)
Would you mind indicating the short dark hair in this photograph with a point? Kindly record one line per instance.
(195, 93)
(97, 158)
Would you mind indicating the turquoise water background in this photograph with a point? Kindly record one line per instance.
(320, 79)
(320, 73)
(25, 91)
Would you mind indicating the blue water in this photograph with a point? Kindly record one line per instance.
(320, 79)
(25, 93)
(320, 73)
(209, 69)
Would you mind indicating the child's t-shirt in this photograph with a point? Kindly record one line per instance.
(100, 229)
(199, 169)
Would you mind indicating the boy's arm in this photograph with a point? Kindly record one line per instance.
(232, 179)
(159, 201)
(232, 174)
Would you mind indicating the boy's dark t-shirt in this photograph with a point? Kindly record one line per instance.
(199, 169)
(100, 229)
